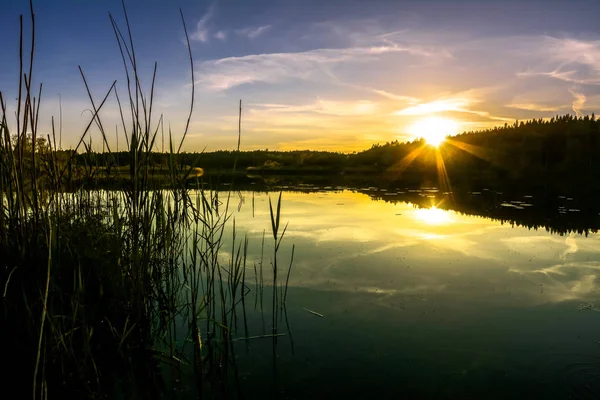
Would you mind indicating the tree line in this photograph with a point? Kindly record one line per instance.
(558, 147)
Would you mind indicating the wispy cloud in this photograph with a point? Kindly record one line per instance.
(382, 93)
(572, 247)
(566, 59)
(442, 105)
(202, 31)
(349, 33)
(533, 107)
(578, 101)
(461, 102)
(393, 96)
(320, 106)
(347, 125)
(253, 33)
(571, 76)
(221, 35)
(229, 72)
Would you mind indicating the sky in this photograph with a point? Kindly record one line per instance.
(335, 75)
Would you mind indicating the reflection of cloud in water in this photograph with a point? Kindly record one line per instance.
(571, 246)
(387, 247)
(432, 236)
(347, 233)
(346, 241)
(530, 239)
(408, 290)
(569, 281)
(458, 242)
(535, 246)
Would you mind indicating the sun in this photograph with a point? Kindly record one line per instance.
(434, 129)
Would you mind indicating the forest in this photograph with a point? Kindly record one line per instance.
(554, 150)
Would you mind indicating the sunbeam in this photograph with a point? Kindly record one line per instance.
(474, 150)
(401, 165)
(443, 178)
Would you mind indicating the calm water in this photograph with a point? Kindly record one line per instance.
(429, 302)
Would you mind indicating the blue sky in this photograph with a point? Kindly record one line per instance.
(334, 75)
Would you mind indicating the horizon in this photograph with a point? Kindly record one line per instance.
(314, 76)
(409, 141)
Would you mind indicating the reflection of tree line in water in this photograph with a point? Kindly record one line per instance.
(534, 207)
(536, 212)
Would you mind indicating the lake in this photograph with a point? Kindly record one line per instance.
(396, 294)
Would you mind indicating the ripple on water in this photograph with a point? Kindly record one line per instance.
(575, 373)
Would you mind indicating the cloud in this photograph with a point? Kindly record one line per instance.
(567, 76)
(534, 107)
(566, 59)
(225, 73)
(347, 125)
(572, 247)
(392, 96)
(348, 33)
(578, 101)
(456, 104)
(329, 107)
(566, 281)
(202, 31)
(382, 93)
(222, 35)
(253, 33)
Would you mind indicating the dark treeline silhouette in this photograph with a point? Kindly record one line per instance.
(224, 160)
(554, 148)
(563, 147)
(559, 144)
(559, 156)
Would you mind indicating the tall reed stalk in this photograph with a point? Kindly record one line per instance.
(100, 286)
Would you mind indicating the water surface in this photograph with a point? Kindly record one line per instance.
(427, 302)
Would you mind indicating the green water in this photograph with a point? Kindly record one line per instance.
(423, 302)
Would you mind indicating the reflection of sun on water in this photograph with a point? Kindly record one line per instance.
(434, 129)
(433, 216)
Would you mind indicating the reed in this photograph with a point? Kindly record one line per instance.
(100, 286)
